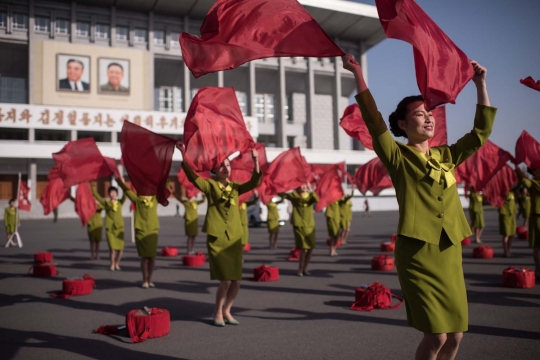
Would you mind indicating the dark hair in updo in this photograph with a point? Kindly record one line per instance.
(112, 188)
(401, 114)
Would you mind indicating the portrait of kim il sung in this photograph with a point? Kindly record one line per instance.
(114, 76)
(72, 73)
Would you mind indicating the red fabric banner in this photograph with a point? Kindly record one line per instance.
(54, 193)
(372, 176)
(214, 129)
(529, 82)
(355, 127)
(80, 161)
(85, 204)
(483, 165)
(528, 150)
(242, 169)
(24, 192)
(329, 188)
(497, 189)
(440, 137)
(191, 190)
(147, 157)
(442, 69)
(237, 31)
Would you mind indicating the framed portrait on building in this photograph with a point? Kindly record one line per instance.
(114, 76)
(72, 73)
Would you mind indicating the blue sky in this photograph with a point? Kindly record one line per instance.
(503, 35)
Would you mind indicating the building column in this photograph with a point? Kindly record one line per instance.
(31, 135)
(113, 26)
(73, 33)
(336, 96)
(151, 85)
(252, 89)
(73, 135)
(32, 178)
(31, 21)
(363, 61)
(310, 96)
(220, 79)
(187, 74)
(281, 136)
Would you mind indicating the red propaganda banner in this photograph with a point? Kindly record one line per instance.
(191, 190)
(355, 127)
(528, 150)
(442, 69)
(214, 129)
(24, 192)
(329, 188)
(372, 176)
(237, 31)
(529, 82)
(498, 187)
(440, 137)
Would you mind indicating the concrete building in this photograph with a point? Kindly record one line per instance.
(56, 82)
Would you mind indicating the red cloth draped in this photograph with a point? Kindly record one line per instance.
(237, 31)
(355, 127)
(80, 161)
(85, 204)
(54, 193)
(497, 189)
(214, 129)
(242, 169)
(528, 150)
(191, 190)
(24, 192)
(147, 157)
(442, 69)
(329, 188)
(440, 137)
(372, 176)
(529, 82)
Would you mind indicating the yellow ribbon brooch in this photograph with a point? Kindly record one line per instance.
(226, 194)
(114, 205)
(147, 201)
(439, 170)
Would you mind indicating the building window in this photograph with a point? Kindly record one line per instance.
(289, 110)
(268, 140)
(3, 20)
(42, 24)
(98, 136)
(102, 31)
(242, 102)
(14, 134)
(62, 26)
(122, 33)
(83, 29)
(175, 39)
(170, 99)
(194, 92)
(290, 141)
(13, 90)
(20, 21)
(264, 108)
(140, 35)
(159, 37)
(52, 135)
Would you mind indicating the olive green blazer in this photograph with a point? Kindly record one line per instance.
(426, 206)
(113, 219)
(534, 190)
(273, 214)
(509, 207)
(302, 215)
(146, 218)
(333, 211)
(95, 222)
(191, 213)
(475, 202)
(223, 216)
(345, 207)
(10, 216)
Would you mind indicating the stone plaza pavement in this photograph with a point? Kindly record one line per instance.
(293, 318)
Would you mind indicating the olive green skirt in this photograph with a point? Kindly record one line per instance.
(304, 238)
(432, 281)
(245, 235)
(115, 239)
(225, 258)
(477, 220)
(333, 227)
(507, 225)
(95, 235)
(10, 228)
(146, 244)
(534, 230)
(273, 226)
(526, 212)
(345, 223)
(192, 227)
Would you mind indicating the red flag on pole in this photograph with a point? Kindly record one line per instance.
(355, 127)
(372, 176)
(85, 204)
(440, 137)
(498, 187)
(24, 194)
(329, 188)
(529, 82)
(528, 150)
(442, 69)
(237, 31)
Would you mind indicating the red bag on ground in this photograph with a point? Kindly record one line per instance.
(338, 242)
(522, 233)
(43, 257)
(194, 260)
(387, 246)
(294, 254)
(247, 248)
(393, 238)
(76, 287)
(142, 326)
(43, 270)
(376, 296)
(169, 251)
(466, 242)
(514, 278)
(383, 263)
(483, 252)
(266, 273)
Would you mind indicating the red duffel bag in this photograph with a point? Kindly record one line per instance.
(387, 246)
(169, 251)
(266, 273)
(76, 287)
(483, 252)
(142, 326)
(43, 270)
(466, 242)
(194, 260)
(382, 262)
(294, 254)
(43, 257)
(515, 278)
(376, 296)
(393, 238)
(338, 242)
(522, 233)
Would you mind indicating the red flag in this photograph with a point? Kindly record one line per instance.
(147, 157)
(237, 31)
(529, 82)
(214, 129)
(54, 193)
(497, 189)
(528, 150)
(372, 176)
(483, 165)
(24, 192)
(442, 69)
(329, 188)
(355, 127)
(440, 137)
(191, 190)
(242, 169)
(85, 204)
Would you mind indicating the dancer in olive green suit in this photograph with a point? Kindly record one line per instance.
(114, 224)
(191, 219)
(507, 223)
(272, 222)
(534, 220)
(10, 216)
(333, 220)
(345, 212)
(244, 218)
(476, 213)
(95, 231)
(525, 201)
(224, 229)
(146, 231)
(431, 219)
(303, 224)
